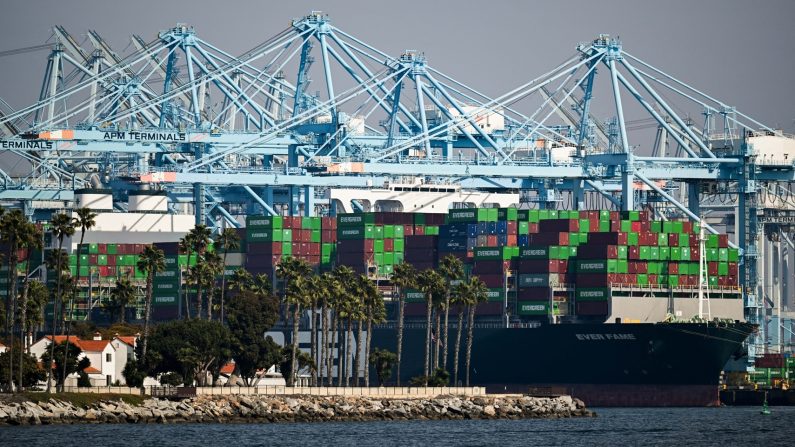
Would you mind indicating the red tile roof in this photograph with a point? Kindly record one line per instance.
(93, 345)
(229, 368)
(130, 340)
(91, 370)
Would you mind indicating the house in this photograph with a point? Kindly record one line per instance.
(3, 348)
(104, 355)
(125, 351)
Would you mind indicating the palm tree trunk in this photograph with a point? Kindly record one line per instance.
(210, 300)
(323, 344)
(446, 329)
(401, 303)
(331, 350)
(438, 343)
(199, 306)
(348, 352)
(187, 287)
(429, 309)
(358, 352)
(223, 288)
(148, 307)
(313, 340)
(12, 308)
(294, 355)
(367, 350)
(458, 344)
(23, 321)
(54, 312)
(470, 328)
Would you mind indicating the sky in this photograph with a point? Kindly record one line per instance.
(738, 51)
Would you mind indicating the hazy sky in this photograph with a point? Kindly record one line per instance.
(738, 51)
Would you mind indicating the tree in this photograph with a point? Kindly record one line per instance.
(375, 312)
(431, 283)
(404, 276)
(316, 291)
(151, 261)
(121, 297)
(452, 269)
(478, 293)
(133, 374)
(383, 362)
(250, 316)
(293, 272)
(345, 305)
(66, 361)
(196, 241)
(460, 298)
(189, 347)
(28, 375)
(328, 285)
(226, 241)
(31, 240)
(61, 227)
(14, 225)
(301, 360)
(37, 298)
(214, 266)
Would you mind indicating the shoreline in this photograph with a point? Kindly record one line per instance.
(274, 409)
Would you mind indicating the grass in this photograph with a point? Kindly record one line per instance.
(76, 399)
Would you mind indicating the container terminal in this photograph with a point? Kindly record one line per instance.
(176, 132)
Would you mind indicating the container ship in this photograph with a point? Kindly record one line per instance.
(583, 302)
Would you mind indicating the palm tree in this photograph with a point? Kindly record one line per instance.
(62, 227)
(85, 221)
(227, 240)
(460, 297)
(315, 292)
(452, 269)
(121, 296)
(342, 277)
(212, 267)
(326, 286)
(32, 240)
(293, 272)
(478, 293)
(186, 246)
(195, 242)
(150, 261)
(14, 225)
(404, 276)
(241, 280)
(375, 313)
(431, 283)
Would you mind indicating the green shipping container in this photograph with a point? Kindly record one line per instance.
(592, 294)
(355, 219)
(462, 215)
(533, 307)
(274, 222)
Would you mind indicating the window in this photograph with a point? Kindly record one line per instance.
(108, 358)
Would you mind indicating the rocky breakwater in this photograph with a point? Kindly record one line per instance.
(291, 409)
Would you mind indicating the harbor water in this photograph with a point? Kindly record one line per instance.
(613, 426)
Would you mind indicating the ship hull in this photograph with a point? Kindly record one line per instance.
(676, 364)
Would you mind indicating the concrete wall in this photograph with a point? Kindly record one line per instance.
(392, 392)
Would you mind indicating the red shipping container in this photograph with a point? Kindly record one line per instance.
(511, 227)
(408, 230)
(723, 241)
(673, 240)
(645, 225)
(641, 267)
(111, 259)
(733, 269)
(111, 270)
(653, 279)
(673, 269)
(635, 227)
(419, 230)
(615, 215)
(712, 268)
(103, 270)
(102, 249)
(687, 227)
(314, 249)
(92, 259)
(512, 240)
(389, 245)
(644, 215)
(491, 240)
(615, 226)
(533, 228)
(634, 253)
(593, 215)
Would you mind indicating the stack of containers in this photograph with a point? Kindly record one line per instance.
(538, 270)
(356, 241)
(167, 284)
(266, 241)
(491, 265)
(328, 243)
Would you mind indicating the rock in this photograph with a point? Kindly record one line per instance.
(489, 410)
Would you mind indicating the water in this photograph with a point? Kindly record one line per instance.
(614, 426)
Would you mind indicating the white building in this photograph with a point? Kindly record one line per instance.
(107, 358)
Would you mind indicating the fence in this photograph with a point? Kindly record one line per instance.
(394, 392)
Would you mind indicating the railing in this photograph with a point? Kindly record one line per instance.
(278, 390)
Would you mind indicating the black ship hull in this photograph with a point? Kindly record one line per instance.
(664, 364)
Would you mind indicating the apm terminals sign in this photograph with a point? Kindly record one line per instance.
(777, 220)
